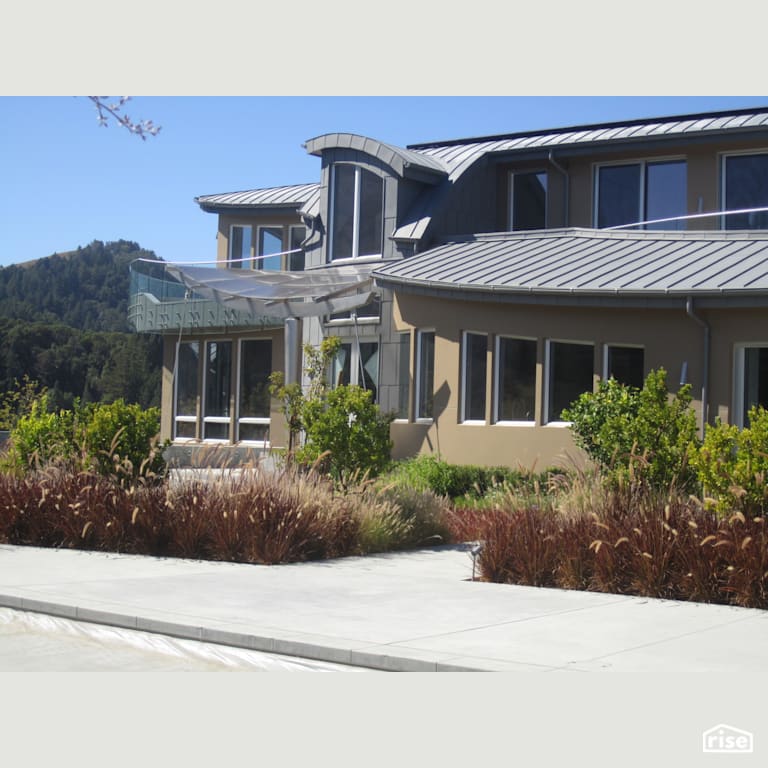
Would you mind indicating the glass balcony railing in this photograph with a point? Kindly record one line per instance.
(159, 302)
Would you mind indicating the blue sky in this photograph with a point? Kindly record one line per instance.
(66, 181)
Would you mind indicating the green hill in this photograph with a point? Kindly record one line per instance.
(63, 323)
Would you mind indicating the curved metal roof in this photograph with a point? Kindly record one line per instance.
(298, 196)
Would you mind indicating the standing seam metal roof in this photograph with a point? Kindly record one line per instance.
(592, 262)
(296, 195)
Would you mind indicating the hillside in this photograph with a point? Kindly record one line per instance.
(63, 323)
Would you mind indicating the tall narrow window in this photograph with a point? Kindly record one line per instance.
(357, 213)
(528, 203)
(239, 246)
(425, 374)
(474, 376)
(745, 185)
(358, 366)
(270, 242)
(218, 390)
(571, 367)
(187, 373)
(515, 379)
(625, 364)
(296, 261)
(403, 375)
(644, 191)
(755, 385)
(253, 395)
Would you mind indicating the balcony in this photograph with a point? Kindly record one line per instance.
(159, 303)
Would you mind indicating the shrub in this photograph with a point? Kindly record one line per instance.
(732, 465)
(642, 435)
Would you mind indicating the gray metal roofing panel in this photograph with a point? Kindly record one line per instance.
(296, 194)
(594, 262)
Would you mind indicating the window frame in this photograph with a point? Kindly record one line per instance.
(496, 394)
(642, 191)
(723, 181)
(548, 373)
(418, 375)
(511, 197)
(404, 364)
(186, 418)
(257, 420)
(607, 346)
(464, 402)
(243, 261)
(354, 362)
(259, 258)
(204, 418)
(355, 236)
(739, 416)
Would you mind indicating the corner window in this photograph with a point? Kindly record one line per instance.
(425, 374)
(625, 364)
(357, 364)
(253, 401)
(570, 368)
(403, 375)
(515, 380)
(186, 390)
(528, 201)
(751, 381)
(644, 191)
(239, 246)
(357, 213)
(745, 185)
(474, 375)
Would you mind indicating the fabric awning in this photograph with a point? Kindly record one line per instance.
(281, 294)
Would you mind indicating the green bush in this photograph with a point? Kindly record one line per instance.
(643, 435)
(732, 465)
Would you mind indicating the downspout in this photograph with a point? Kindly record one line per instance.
(567, 194)
(705, 374)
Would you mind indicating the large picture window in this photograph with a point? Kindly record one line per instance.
(474, 376)
(745, 185)
(528, 201)
(253, 390)
(217, 385)
(425, 374)
(515, 380)
(570, 373)
(357, 212)
(359, 365)
(270, 245)
(643, 191)
(186, 390)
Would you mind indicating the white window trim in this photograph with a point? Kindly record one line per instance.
(496, 375)
(547, 373)
(643, 163)
(739, 348)
(723, 158)
(186, 418)
(258, 258)
(418, 419)
(607, 345)
(357, 259)
(212, 419)
(463, 398)
(511, 204)
(267, 420)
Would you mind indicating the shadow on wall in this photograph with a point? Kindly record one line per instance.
(421, 437)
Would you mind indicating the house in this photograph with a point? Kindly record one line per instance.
(479, 285)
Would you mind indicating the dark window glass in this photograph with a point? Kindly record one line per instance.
(619, 195)
(218, 378)
(755, 379)
(404, 375)
(529, 201)
(270, 242)
(666, 194)
(371, 213)
(255, 368)
(746, 186)
(475, 372)
(343, 211)
(570, 373)
(625, 364)
(186, 379)
(517, 379)
(296, 261)
(239, 246)
(426, 375)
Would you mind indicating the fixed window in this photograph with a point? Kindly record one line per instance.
(357, 364)
(253, 404)
(515, 379)
(403, 375)
(357, 212)
(474, 376)
(296, 261)
(643, 191)
(239, 246)
(751, 384)
(371, 311)
(625, 364)
(745, 185)
(570, 373)
(425, 374)
(217, 386)
(186, 390)
(269, 247)
(528, 200)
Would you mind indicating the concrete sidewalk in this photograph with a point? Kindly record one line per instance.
(413, 611)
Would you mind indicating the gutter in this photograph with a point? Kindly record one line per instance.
(705, 373)
(557, 166)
